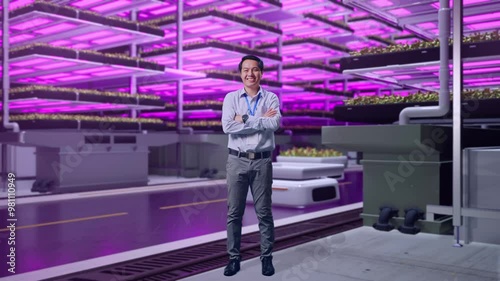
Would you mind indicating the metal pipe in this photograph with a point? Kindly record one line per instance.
(444, 73)
(280, 71)
(133, 53)
(457, 117)
(6, 81)
(180, 86)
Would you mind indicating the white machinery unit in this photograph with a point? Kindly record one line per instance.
(299, 185)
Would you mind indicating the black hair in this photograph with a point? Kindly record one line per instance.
(260, 63)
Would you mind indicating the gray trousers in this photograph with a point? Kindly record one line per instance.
(258, 175)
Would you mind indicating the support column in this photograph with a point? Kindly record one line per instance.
(133, 78)
(457, 117)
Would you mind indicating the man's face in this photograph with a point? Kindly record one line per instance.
(250, 73)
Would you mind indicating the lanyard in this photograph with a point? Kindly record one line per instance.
(252, 112)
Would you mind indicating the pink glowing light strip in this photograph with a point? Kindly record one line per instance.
(74, 77)
(481, 70)
(485, 84)
(384, 72)
(231, 6)
(244, 9)
(80, 46)
(20, 38)
(112, 5)
(488, 79)
(56, 28)
(403, 77)
(52, 76)
(60, 42)
(44, 103)
(482, 17)
(204, 28)
(197, 66)
(20, 71)
(16, 4)
(241, 36)
(481, 63)
(314, 55)
(164, 10)
(198, 2)
(195, 53)
(400, 12)
(382, 3)
(92, 35)
(427, 25)
(85, 3)
(194, 24)
(112, 39)
(295, 4)
(30, 24)
(219, 35)
(55, 65)
(297, 27)
(93, 70)
(113, 72)
(30, 62)
(485, 25)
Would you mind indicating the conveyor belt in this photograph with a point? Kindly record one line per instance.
(194, 260)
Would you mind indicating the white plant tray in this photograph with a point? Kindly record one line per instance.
(303, 159)
(302, 171)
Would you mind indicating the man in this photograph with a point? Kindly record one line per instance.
(250, 116)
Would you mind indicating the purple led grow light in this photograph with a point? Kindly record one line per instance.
(356, 85)
(307, 51)
(311, 27)
(54, 70)
(46, 25)
(484, 25)
(358, 45)
(369, 26)
(56, 106)
(113, 5)
(303, 74)
(220, 26)
(17, 4)
(205, 57)
(319, 7)
(400, 12)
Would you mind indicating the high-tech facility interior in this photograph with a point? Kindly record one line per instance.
(292, 140)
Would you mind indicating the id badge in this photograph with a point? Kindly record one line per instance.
(253, 139)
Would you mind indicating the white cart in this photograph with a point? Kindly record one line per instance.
(299, 185)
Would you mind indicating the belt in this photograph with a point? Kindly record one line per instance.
(250, 155)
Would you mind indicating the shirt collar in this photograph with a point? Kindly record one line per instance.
(261, 92)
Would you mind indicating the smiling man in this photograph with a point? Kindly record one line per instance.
(250, 116)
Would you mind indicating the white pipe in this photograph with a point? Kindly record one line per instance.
(133, 79)
(6, 81)
(458, 166)
(180, 86)
(444, 73)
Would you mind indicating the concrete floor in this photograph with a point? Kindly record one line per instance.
(365, 254)
(56, 230)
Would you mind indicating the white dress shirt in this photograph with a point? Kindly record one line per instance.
(257, 133)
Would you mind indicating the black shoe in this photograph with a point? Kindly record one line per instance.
(267, 266)
(232, 267)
